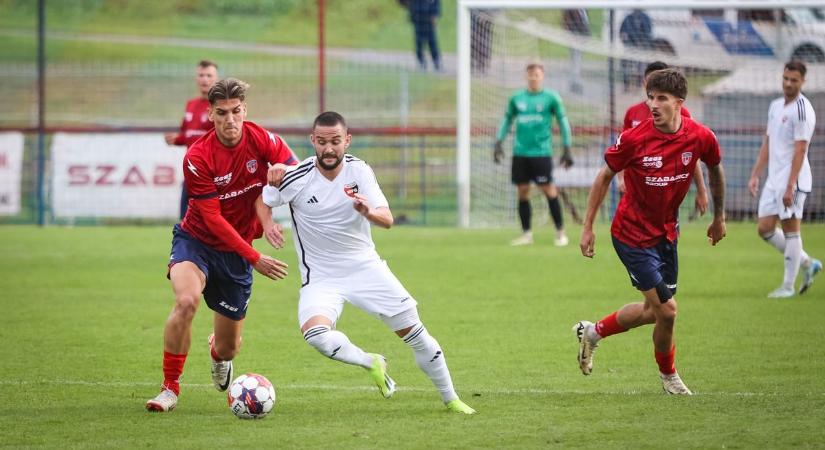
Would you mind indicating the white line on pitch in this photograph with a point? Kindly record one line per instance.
(332, 387)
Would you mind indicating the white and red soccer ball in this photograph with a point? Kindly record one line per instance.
(251, 396)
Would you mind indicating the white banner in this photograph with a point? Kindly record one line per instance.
(11, 165)
(134, 175)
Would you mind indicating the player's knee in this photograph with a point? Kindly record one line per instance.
(319, 337)
(186, 304)
(765, 232)
(666, 314)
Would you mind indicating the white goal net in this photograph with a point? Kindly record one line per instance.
(594, 57)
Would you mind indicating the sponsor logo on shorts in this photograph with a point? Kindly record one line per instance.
(228, 306)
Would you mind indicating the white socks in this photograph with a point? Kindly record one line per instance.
(789, 245)
(431, 360)
(336, 345)
(793, 254)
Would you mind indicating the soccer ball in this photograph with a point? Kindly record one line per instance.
(251, 396)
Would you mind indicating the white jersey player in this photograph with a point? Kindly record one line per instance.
(791, 123)
(333, 198)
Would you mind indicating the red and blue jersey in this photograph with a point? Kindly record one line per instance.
(224, 183)
(658, 169)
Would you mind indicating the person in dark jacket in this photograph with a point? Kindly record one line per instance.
(424, 16)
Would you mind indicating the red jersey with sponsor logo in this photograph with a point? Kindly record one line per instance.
(640, 112)
(195, 122)
(658, 170)
(235, 176)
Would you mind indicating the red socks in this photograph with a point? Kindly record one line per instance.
(609, 326)
(666, 361)
(172, 369)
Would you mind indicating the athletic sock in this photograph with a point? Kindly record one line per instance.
(336, 345)
(666, 361)
(555, 212)
(172, 370)
(525, 213)
(776, 238)
(431, 360)
(607, 327)
(793, 254)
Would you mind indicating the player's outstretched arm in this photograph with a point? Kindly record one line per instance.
(717, 229)
(594, 201)
(758, 167)
(273, 231)
(381, 216)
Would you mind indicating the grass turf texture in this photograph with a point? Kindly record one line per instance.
(85, 309)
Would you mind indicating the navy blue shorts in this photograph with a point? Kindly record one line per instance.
(538, 169)
(648, 267)
(228, 275)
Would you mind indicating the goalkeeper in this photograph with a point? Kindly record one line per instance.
(533, 110)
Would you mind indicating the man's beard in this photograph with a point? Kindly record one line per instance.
(332, 166)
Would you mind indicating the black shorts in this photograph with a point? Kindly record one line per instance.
(538, 169)
(648, 267)
(228, 275)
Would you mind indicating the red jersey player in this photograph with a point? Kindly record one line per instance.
(659, 158)
(196, 121)
(640, 112)
(212, 254)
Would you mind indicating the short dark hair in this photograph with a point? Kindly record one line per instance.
(670, 81)
(329, 119)
(654, 66)
(227, 89)
(797, 66)
(204, 63)
(533, 66)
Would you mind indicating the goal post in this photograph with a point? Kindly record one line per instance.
(522, 33)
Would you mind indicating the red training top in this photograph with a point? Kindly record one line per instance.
(658, 172)
(640, 112)
(195, 122)
(223, 184)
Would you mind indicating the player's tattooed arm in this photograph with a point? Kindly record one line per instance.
(717, 189)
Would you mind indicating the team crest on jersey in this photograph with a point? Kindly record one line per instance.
(351, 189)
(686, 157)
(252, 166)
(204, 117)
(539, 107)
(784, 119)
(521, 106)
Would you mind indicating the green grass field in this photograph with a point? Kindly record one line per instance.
(85, 309)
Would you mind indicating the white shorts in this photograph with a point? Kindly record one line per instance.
(770, 204)
(372, 288)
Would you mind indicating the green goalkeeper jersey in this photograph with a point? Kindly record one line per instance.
(533, 113)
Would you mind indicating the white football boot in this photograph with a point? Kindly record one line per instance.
(586, 346)
(561, 240)
(673, 384)
(221, 370)
(164, 402)
(525, 239)
(782, 292)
